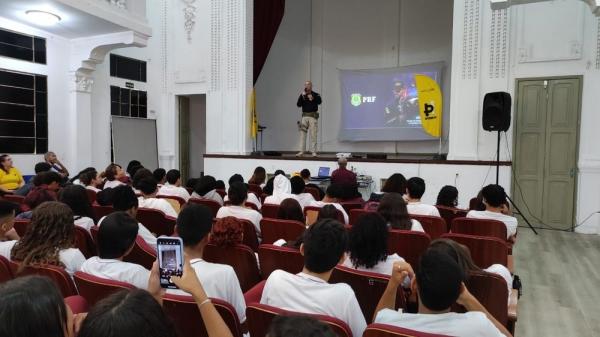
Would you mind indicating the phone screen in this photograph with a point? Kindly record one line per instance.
(170, 259)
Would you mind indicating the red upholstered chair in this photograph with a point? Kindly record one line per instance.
(256, 189)
(57, 274)
(85, 242)
(272, 257)
(408, 244)
(312, 212)
(485, 251)
(18, 199)
(94, 288)
(253, 295)
(368, 288)
(184, 313)
(78, 304)
(491, 291)
(91, 195)
(313, 191)
(180, 200)
(222, 193)
(6, 273)
(348, 206)
(269, 211)
(259, 317)
(156, 221)
(355, 214)
(21, 226)
(94, 233)
(481, 227)
(384, 330)
(250, 238)
(213, 205)
(275, 229)
(450, 213)
(142, 254)
(476, 204)
(241, 258)
(102, 211)
(433, 225)
(251, 205)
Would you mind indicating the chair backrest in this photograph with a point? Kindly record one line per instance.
(312, 213)
(476, 204)
(94, 288)
(78, 304)
(21, 226)
(410, 245)
(85, 242)
(313, 191)
(183, 312)
(357, 213)
(174, 203)
(491, 291)
(250, 238)
(368, 288)
(450, 213)
(270, 211)
(256, 189)
(385, 330)
(91, 195)
(241, 258)
(18, 199)
(259, 317)
(350, 205)
(6, 273)
(156, 221)
(211, 204)
(179, 200)
(57, 274)
(433, 225)
(102, 211)
(485, 251)
(142, 254)
(273, 257)
(481, 227)
(275, 229)
(94, 232)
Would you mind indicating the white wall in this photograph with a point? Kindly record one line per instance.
(318, 37)
(197, 134)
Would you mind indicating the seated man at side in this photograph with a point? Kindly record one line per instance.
(194, 223)
(116, 238)
(494, 199)
(251, 196)
(308, 291)
(238, 194)
(415, 188)
(149, 188)
(342, 175)
(173, 186)
(439, 283)
(332, 197)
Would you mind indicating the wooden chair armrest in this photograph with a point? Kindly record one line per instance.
(512, 305)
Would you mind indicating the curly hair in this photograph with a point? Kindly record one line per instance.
(447, 197)
(227, 232)
(393, 209)
(50, 231)
(368, 241)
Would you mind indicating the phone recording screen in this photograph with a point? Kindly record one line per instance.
(170, 260)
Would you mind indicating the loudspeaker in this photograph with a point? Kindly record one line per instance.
(496, 111)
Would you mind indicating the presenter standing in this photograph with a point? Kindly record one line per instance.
(309, 102)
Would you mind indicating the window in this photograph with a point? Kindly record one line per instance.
(23, 47)
(23, 113)
(127, 102)
(127, 68)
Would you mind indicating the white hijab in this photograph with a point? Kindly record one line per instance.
(282, 189)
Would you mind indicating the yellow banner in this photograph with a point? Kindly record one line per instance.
(254, 120)
(430, 104)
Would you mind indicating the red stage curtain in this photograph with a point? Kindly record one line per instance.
(267, 17)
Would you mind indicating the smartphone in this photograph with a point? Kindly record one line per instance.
(170, 259)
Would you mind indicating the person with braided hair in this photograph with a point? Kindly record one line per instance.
(49, 239)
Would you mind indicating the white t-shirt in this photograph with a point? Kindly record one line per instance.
(212, 195)
(6, 247)
(112, 184)
(241, 213)
(84, 222)
(416, 226)
(71, 258)
(116, 270)
(251, 199)
(335, 204)
(92, 188)
(383, 267)
(172, 190)
(143, 232)
(419, 208)
(219, 281)
(309, 294)
(473, 323)
(305, 199)
(510, 221)
(503, 272)
(159, 204)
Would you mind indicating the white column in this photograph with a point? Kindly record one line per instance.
(79, 121)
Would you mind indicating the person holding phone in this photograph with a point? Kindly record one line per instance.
(309, 101)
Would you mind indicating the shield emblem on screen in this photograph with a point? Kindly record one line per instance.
(356, 99)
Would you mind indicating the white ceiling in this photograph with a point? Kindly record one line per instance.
(74, 23)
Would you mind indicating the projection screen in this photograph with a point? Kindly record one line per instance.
(135, 138)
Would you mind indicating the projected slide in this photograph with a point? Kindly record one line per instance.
(383, 104)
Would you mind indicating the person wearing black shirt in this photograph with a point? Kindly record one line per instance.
(309, 102)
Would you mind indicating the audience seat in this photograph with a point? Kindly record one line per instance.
(185, 315)
(78, 304)
(94, 288)
(18, 199)
(355, 214)
(259, 317)
(85, 242)
(263, 197)
(6, 273)
(179, 200)
(21, 226)
(102, 211)
(481, 227)
(384, 330)
(174, 203)
(57, 274)
(313, 191)
(156, 221)
(275, 229)
(408, 244)
(254, 295)
(450, 213)
(270, 211)
(142, 254)
(213, 205)
(435, 226)
(273, 257)
(312, 212)
(491, 291)
(368, 288)
(250, 238)
(350, 205)
(241, 258)
(91, 195)
(485, 251)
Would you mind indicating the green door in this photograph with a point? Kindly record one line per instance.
(546, 143)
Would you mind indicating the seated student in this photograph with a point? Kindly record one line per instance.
(494, 199)
(115, 240)
(220, 185)
(149, 190)
(49, 239)
(439, 284)
(160, 174)
(415, 188)
(238, 193)
(368, 246)
(282, 189)
(251, 196)
(305, 174)
(173, 186)
(393, 209)
(327, 212)
(8, 235)
(76, 198)
(206, 188)
(290, 209)
(113, 173)
(258, 177)
(39, 168)
(141, 173)
(332, 197)
(268, 188)
(45, 186)
(299, 326)
(308, 291)
(91, 180)
(396, 183)
(448, 197)
(298, 187)
(227, 232)
(132, 167)
(76, 180)
(219, 280)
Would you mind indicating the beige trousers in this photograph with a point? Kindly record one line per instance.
(308, 124)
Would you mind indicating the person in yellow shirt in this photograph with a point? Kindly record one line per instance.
(10, 178)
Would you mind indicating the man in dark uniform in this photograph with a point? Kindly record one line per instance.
(309, 102)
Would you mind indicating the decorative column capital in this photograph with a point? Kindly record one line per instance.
(83, 83)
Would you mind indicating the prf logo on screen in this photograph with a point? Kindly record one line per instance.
(358, 99)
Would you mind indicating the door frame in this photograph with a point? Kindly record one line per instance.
(577, 141)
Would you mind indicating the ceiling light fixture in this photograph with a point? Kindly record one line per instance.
(42, 17)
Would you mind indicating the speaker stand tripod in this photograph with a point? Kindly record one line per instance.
(507, 197)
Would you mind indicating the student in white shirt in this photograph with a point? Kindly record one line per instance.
(116, 238)
(160, 174)
(282, 189)
(76, 198)
(8, 235)
(219, 280)
(496, 208)
(173, 186)
(149, 190)
(113, 173)
(251, 196)
(298, 187)
(91, 180)
(393, 209)
(439, 284)
(415, 188)
(332, 197)
(206, 188)
(308, 291)
(238, 192)
(49, 239)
